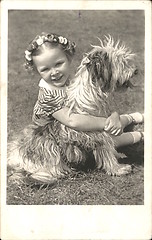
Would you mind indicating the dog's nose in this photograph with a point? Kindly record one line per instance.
(136, 71)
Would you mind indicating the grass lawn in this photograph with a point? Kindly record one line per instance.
(88, 186)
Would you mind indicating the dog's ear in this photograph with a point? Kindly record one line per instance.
(100, 70)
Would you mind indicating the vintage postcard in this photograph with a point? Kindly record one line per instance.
(76, 113)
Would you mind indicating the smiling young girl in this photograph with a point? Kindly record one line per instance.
(51, 56)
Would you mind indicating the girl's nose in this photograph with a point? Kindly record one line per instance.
(53, 71)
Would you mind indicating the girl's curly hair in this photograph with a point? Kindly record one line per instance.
(54, 39)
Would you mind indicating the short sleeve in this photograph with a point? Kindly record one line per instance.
(48, 102)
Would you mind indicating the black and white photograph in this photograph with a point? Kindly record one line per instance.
(76, 124)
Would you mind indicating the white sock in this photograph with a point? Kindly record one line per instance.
(137, 117)
(137, 136)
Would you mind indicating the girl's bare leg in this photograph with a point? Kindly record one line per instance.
(127, 138)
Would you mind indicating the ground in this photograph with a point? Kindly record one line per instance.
(87, 186)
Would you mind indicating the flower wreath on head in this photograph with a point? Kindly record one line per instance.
(52, 38)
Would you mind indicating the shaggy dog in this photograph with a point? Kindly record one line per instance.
(47, 153)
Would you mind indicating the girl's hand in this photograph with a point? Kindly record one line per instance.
(113, 124)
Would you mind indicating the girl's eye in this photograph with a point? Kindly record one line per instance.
(44, 70)
(59, 64)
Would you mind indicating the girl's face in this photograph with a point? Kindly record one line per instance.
(53, 66)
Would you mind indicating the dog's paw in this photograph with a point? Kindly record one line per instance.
(121, 169)
(42, 178)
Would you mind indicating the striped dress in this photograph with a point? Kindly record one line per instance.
(49, 101)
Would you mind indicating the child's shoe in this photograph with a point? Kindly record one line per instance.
(142, 136)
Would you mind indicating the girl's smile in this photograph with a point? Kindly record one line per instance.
(53, 66)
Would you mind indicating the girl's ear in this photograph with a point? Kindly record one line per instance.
(70, 59)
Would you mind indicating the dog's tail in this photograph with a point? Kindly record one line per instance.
(37, 154)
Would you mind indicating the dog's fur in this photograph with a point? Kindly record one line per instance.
(47, 152)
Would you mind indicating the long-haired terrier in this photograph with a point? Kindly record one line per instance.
(47, 153)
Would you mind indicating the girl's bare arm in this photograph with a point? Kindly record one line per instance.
(80, 122)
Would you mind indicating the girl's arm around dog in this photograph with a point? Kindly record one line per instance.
(80, 122)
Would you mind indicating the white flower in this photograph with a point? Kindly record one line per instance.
(39, 41)
(45, 38)
(65, 41)
(61, 39)
(28, 55)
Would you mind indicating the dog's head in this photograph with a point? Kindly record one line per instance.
(110, 66)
